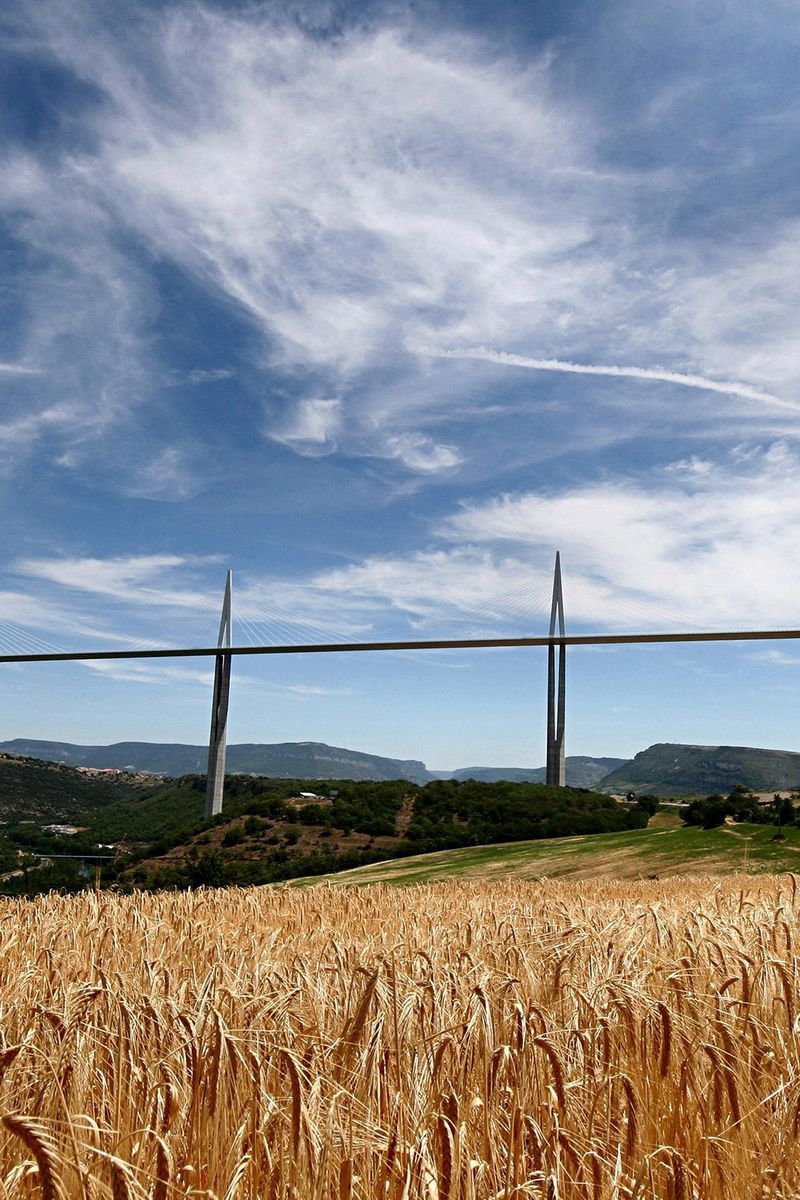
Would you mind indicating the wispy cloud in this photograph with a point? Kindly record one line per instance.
(302, 689)
(158, 600)
(150, 601)
(695, 544)
(138, 578)
(353, 200)
(48, 612)
(7, 368)
(778, 657)
(150, 673)
(198, 375)
(167, 475)
(463, 587)
(347, 195)
(83, 307)
(701, 543)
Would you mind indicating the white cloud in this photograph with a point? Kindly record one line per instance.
(420, 453)
(312, 427)
(698, 544)
(352, 195)
(436, 585)
(21, 612)
(158, 600)
(112, 576)
(19, 431)
(714, 548)
(138, 579)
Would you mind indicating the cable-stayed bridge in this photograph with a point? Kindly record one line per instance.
(267, 629)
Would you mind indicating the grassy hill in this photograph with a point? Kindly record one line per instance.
(655, 852)
(270, 831)
(668, 769)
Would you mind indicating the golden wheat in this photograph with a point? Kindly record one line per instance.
(458, 1041)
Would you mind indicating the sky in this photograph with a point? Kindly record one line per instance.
(379, 305)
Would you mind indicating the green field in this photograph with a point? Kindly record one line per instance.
(633, 854)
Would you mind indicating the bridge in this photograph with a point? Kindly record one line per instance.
(556, 641)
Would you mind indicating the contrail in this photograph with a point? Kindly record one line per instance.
(557, 364)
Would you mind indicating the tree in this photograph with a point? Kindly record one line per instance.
(710, 812)
(784, 810)
(209, 870)
(648, 803)
(744, 804)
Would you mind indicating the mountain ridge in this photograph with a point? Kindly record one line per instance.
(302, 760)
(663, 769)
(278, 760)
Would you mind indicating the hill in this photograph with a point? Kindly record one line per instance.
(32, 790)
(651, 853)
(667, 769)
(269, 831)
(274, 829)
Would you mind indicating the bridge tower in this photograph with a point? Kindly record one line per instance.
(555, 771)
(217, 742)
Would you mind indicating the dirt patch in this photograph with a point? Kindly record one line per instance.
(404, 815)
(665, 820)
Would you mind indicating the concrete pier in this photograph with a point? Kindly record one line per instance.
(555, 771)
(217, 742)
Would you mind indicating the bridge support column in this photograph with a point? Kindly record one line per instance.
(555, 771)
(217, 743)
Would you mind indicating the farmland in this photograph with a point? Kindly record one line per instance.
(666, 848)
(461, 1040)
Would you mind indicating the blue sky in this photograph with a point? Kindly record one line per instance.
(380, 305)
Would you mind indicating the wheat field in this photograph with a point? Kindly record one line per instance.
(458, 1041)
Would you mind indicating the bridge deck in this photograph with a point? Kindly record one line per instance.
(603, 639)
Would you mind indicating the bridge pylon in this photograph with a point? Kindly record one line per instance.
(218, 739)
(555, 771)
